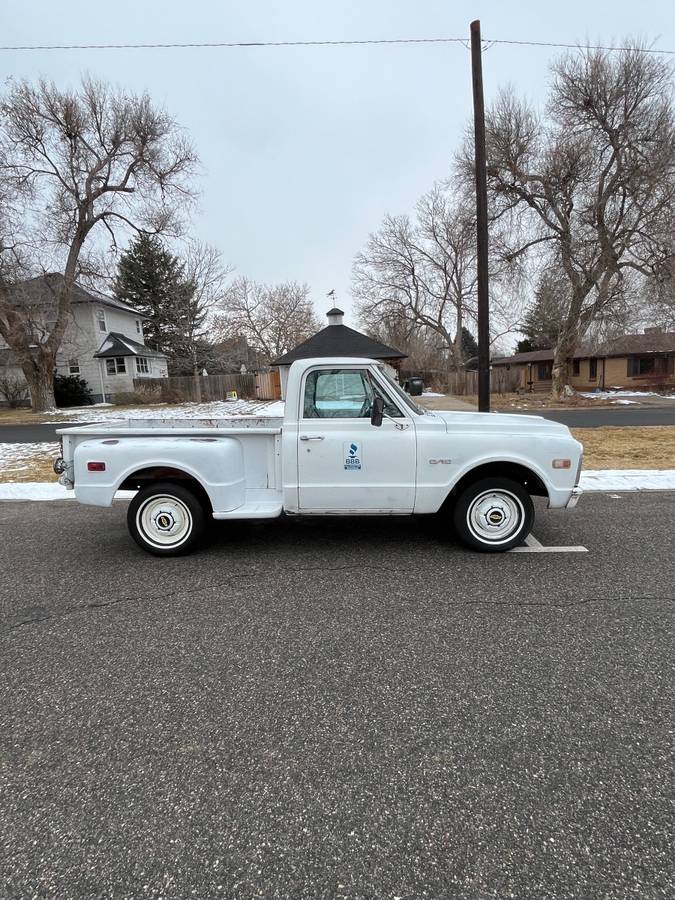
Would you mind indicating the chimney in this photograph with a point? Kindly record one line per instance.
(335, 316)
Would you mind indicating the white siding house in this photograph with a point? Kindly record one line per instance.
(103, 343)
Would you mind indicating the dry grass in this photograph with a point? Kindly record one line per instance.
(651, 447)
(26, 462)
(514, 402)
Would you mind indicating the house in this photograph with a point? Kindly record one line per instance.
(103, 343)
(642, 362)
(337, 339)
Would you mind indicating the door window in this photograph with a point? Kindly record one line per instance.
(337, 394)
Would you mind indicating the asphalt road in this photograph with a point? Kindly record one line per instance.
(592, 418)
(350, 708)
(574, 418)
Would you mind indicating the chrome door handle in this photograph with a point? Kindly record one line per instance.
(311, 437)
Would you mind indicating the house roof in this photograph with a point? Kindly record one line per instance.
(339, 340)
(625, 345)
(116, 344)
(41, 291)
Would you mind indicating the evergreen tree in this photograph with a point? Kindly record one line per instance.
(152, 280)
(469, 350)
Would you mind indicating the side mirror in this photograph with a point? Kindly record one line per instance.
(377, 411)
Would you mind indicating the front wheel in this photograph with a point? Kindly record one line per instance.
(493, 515)
(166, 519)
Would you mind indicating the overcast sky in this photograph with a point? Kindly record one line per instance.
(304, 150)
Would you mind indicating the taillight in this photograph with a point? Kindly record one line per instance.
(96, 466)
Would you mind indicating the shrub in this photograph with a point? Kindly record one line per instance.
(71, 390)
(13, 389)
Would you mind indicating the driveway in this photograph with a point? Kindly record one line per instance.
(350, 708)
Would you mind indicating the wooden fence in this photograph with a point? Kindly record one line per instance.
(177, 388)
(502, 381)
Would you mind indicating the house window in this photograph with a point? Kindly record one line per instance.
(544, 371)
(576, 367)
(641, 365)
(138, 327)
(116, 366)
(142, 365)
(592, 369)
(73, 367)
(100, 318)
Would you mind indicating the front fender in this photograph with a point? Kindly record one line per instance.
(217, 464)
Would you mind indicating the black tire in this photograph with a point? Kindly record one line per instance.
(177, 512)
(493, 515)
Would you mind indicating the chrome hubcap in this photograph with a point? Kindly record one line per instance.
(495, 516)
(164, 521)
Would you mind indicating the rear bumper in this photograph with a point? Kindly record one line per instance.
(574, 498)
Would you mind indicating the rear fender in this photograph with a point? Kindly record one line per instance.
(217, 464)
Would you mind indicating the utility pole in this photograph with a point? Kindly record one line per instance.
(481, 222)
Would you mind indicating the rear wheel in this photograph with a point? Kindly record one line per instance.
(166, 519)
(493, 515)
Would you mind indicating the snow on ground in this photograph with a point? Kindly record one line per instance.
(593, 480)
(19, 457)
(611, 395)
(432, 394)
(628, 480)
(218, 409)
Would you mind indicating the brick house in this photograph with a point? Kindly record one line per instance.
(637, 362)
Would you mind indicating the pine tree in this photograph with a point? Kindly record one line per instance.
(152, 280)
(469, 350)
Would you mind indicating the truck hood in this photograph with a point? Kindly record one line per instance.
(501, 423)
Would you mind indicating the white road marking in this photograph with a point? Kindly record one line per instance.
(532, 545)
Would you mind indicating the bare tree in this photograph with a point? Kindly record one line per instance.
(205, 277)
(423, 273)
(79, 170)
(588, 189)
(272, 318)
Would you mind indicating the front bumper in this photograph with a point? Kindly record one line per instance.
(574, 498)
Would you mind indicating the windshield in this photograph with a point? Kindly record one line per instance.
(398, 390)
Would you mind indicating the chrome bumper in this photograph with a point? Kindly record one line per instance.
(574, 498)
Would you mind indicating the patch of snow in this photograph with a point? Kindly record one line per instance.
(45, 490)
(432, 394)
(628, 480)
(607, 395)
(625, 402)
(218, 409)
(17, 457)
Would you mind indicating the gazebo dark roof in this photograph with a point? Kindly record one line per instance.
(339, 340)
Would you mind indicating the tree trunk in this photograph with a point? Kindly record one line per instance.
(561, 355)
(40, 378)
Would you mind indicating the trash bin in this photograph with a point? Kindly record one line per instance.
(414, 385)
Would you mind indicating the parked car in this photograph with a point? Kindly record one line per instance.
(351, 442)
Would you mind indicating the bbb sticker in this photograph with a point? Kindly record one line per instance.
(351, 451)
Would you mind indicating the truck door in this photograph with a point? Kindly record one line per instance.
(344, 462)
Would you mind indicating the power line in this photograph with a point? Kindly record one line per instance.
(334, 43)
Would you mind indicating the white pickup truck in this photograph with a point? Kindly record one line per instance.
(350, 442)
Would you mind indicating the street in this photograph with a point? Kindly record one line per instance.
(573, 418)
(337, 708)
